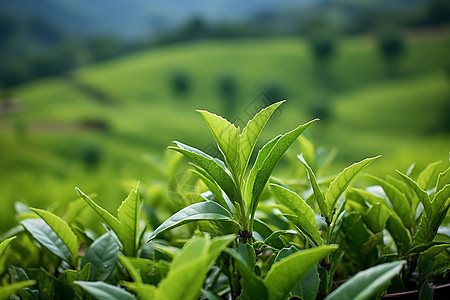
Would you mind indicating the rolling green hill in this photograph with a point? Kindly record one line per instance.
(93, 127)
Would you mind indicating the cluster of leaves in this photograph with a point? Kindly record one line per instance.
(244, 236)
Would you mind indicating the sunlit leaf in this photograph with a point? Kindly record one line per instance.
(316, 189)
(251, 132)
(342, 181)
(213, 166)
(62, 229)
(284, 275)
(7, 290)
(266, 161)
(306, 220)
(128, 215)
(226, 136)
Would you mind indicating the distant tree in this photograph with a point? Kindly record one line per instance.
(181, 84)
(391, 46)
(322, 40)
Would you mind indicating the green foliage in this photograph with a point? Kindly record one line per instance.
(230, 237)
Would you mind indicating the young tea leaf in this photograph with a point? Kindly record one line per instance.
(342, 181)
(226, 136)
(266, 162)
(251, 132)
(128, 215)
(9, 289)
(213, 166)
(306, 220)
(316, 189)
(284, 275)
(5, 244)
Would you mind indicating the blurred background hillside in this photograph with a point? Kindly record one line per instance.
(92, 92)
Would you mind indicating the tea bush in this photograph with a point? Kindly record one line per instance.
(232, 231)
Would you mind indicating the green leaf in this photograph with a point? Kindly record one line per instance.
(442, 179)
(62, 229)
(188, 269)
(265, 231)
(427, 256)
(149, 271)
(251, 132)
(284, 275)
(128, 215)
(342, 181)
(213, 166)
(144, 291)
(45, 235)
(112, 221)
(8, 290)
(267, 159)
(103, 291)
(201, 211)
(315, 186)
(376, 217)
(426, 292)
(399, 202)
(423, 196)
(5, 244)
(211, 184)
(102, 255)
(400, 234)
(251, 283)
(425, 178)
(134, 274)
(368, 283)
(226, 136)
(306, 220)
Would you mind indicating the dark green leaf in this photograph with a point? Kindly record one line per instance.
(426, 292)
(103, 291)
(367, 283)
(102, 254)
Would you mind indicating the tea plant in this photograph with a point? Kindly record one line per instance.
(240, 244)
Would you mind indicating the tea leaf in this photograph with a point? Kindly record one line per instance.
(306, 220)
(226, 136)
(213, 166)
(5, 244)
(8, 290)
(45, 235)
(266, 161)
(251, 283)
(316, 189)
(207, 210)
(251, 132)
(188, 269)
(102, 255)
(366, 284)
(342, 181)
(284, 274)
(103, 291)
(425, 178)
(423, 196)
(128, 215)
(62, 229)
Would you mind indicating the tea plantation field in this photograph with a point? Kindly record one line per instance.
(96, 127)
